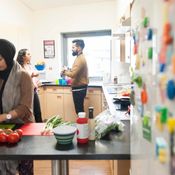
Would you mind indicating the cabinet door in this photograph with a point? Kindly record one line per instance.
(69, 109)
(42, 102)
(54, 105)
(94, 99)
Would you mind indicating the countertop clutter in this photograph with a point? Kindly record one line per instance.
(114, 146)
(118, 100)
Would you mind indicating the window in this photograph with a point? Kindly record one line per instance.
(97, 52)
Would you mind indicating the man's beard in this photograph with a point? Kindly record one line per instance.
(74, 53)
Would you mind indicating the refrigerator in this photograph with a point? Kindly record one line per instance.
(152, 73)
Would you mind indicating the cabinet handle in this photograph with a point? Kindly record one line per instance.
(58, 96)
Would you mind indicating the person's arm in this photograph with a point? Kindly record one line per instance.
(77, 67)
(34, 74)
(24, 109)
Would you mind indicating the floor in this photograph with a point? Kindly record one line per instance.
(77, 167)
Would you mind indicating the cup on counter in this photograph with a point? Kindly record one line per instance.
(57, 82)
(62, 81)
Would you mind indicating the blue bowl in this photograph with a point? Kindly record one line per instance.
(40, 67)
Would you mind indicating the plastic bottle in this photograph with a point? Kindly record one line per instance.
(82, 128)
(91, 123)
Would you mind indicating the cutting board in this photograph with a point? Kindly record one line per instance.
(30, 129)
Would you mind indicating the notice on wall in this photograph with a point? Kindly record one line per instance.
(49, 48)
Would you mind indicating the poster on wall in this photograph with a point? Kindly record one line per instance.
(49, 48)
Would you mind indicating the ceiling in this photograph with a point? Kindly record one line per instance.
(43, 4)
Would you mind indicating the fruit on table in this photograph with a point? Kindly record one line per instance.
(40, 63)
(10, 136)
(3, 137)
(13, 137)
(20, 132)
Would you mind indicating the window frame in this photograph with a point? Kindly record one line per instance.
(66, 35)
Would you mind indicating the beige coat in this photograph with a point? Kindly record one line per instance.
(79, 72)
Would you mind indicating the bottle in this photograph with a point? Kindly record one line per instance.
(82, 128)
(91, 124)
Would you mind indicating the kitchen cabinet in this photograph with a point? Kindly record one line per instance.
(53, 102)
(57, 100)
(93, 98)
(42, 100)
(121, 167)
(69, 110)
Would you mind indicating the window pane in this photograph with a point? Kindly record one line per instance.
(97, 53)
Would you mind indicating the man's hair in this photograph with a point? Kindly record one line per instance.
(79, 42)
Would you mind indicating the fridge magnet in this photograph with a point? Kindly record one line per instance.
(161, 149)
(164, 115)
(171, 124)
(149, 34)
(146, 128)
(159, 125)
(170, 89)
(144, 96)
(145, 22)
(49, 48)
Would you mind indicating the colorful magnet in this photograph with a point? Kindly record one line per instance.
(171, 124)
(147, 132)
(161, 149)
(170, 89)
(159, 125)
(169, 54)
(138, 81)
(167, 38)
(137, 63)
(145, 22)
(167, 28)
(162, 55)
(144, 96)
(162, 67)
(164, 115)
(150, 52)
(149, 34)
(135, 49)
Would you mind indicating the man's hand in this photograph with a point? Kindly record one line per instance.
(62, 73)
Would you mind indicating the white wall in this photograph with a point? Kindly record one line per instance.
(48, 24)
(15, 20)
(28, 29)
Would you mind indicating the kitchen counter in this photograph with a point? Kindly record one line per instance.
(91, 84)
(110, 91)
(115, 147)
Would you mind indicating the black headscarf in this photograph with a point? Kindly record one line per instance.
(7, 51)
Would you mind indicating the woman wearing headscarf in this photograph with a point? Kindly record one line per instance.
(16, 96)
